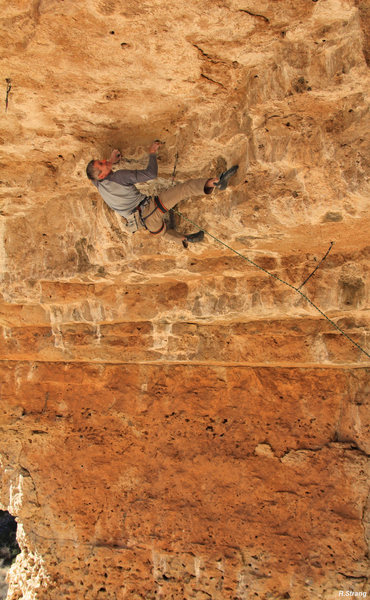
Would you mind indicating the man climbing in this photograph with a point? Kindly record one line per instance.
(118, 190)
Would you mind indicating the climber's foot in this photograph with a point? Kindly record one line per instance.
(193, 238)
(225, 177)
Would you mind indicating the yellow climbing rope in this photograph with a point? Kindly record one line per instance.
(298, 290)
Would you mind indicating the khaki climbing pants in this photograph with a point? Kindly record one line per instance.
(153, 213)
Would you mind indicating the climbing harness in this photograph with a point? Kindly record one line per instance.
(134, 220)
(298, 290)
(158, 206)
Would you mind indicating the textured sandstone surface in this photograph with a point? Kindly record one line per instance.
(177, 424)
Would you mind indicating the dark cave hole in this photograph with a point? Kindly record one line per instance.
(8, 541)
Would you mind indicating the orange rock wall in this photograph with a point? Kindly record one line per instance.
(177, 424)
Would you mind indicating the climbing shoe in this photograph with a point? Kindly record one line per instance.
(225, 176)
(193, 238)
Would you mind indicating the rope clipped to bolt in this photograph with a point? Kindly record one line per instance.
(298, 290)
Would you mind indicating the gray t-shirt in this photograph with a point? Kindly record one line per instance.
(118, 189)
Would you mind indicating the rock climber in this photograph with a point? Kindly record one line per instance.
(118, 190)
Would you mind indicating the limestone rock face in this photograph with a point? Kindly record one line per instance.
(181, 424)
